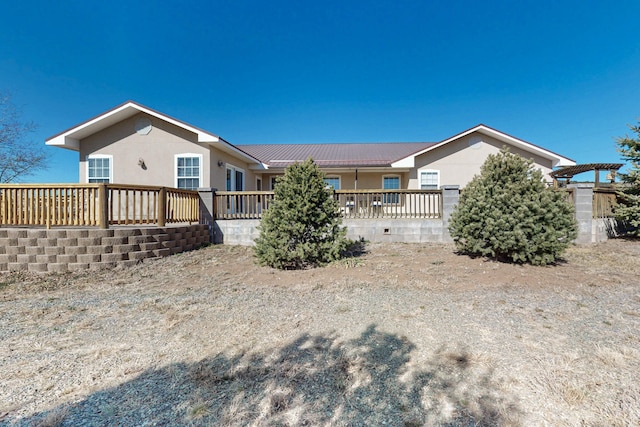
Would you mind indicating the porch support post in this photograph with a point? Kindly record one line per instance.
(162, 207)
(583, 203)
(450, 198)
(103, 206)
(207, 209)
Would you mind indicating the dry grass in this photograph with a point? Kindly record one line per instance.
(403, 335)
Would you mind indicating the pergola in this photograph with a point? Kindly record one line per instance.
(568, 172)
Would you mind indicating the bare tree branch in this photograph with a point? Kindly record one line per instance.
(19, 157)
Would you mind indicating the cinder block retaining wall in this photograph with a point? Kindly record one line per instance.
(245, 231)
(590, 230)
(69, 249)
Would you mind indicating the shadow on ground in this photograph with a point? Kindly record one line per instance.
(314, 380)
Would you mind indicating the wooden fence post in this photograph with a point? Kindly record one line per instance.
(104, 206)
(162, 207)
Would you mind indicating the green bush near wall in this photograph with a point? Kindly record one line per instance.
(508, 213)
(302, 227)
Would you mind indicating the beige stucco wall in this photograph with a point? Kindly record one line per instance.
(458, 162)
(158, 150)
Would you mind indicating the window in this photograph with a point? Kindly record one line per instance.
(235, 182)
(235, 178)
(188, 171)
(332, 181)
(429, 180)
(99, 169)
(391, 182)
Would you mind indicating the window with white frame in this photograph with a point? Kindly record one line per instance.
(391, 182)
(333, 182)
(429, 180)
(99, 169)
(188, 171)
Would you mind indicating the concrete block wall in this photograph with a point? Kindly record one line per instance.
(583, 202)
(406, 230)
(236, 231)
(395, 230)
(245, 231)
(70, 249)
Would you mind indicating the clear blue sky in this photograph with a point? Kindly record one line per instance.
(561, 74)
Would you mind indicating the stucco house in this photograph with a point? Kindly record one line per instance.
(134, 144)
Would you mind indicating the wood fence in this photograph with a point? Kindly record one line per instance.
(102, 205)
(98, 205)
(604, 202)
(353, 203)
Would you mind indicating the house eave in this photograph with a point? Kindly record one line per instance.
(71, 138)
(556, 159)
(65, 142)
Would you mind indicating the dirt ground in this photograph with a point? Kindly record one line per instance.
(403, 334)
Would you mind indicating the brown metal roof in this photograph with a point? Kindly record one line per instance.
(570, 171)
(335, 155)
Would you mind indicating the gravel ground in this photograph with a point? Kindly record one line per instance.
(403, 335)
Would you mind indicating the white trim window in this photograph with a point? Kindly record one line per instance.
(332, 181)
(99, 168)
(391, 182)
(429, 179)
(188, 169)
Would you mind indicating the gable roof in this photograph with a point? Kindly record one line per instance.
(71, 137)
(556, 159)
(335, 155)
(387, 155)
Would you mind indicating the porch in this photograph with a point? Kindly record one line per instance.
(411, 216)
(72, 226)
(66, 227)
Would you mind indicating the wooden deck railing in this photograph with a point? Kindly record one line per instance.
(95, 205)
(390, 203)
(241, 204)
(353, 203)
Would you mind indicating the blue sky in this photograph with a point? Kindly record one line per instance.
(561, 74)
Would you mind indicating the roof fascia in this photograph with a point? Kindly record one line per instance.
(69, 139)
(556, 159)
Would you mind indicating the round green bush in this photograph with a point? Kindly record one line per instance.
(507, 213)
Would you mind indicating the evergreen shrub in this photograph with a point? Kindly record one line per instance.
(508, 213)
(628, 209)
(302, 226)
